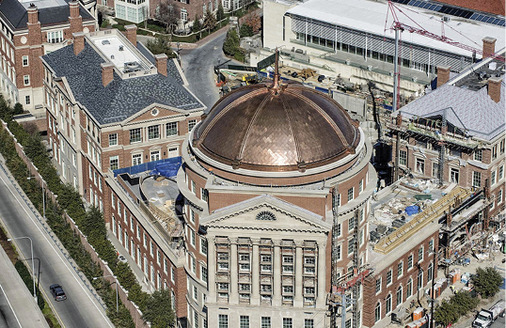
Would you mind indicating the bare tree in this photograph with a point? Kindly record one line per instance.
(168, 14)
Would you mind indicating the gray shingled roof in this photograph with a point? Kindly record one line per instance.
(15, 14)
(120, 99)
(470, 110)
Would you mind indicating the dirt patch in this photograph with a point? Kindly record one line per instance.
(7, 246)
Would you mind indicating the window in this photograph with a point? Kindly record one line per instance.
(171, 129)
(27, 100)
(494, 152)
(350, 194)
(191, 124)
(420, 254)
(400, 268)
(114, 163)
(203, 246)
(492, 178)
(351, 246)
(420, 165)
(203, 273)
(136, 159)
(431, 246)
(501, 172)
(410, 261)
(399, 296)
(389, 277)
(338, 252)
(435, 169)
(377, 312)
(378, 285)
(24, 60)
(478, 155)
(113, 139)
(360, 186)
(154, 155)
(192, 237)
(351, 223)
(153, 132)
(388, 303)
(26, 79)
(403, 157)
(184, 14)
(501, 147)
(195, 293)
(454, 175)
(499, 196)
(308, 323)
(409, 288)
(476, 179)
(419, 279)
(222, 321)
(135, 135)
(244, 321)
(430, 272)
(287, 323)
(266, 322)
(55, 37)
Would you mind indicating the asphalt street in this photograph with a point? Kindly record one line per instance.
(7, 316)
(198, 67)
(81, 309)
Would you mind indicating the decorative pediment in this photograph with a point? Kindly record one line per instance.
(154, 112)
(266, 212)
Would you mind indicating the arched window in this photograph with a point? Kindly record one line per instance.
(377, 312)
(388, 304)
(409, 288)
(399, 296)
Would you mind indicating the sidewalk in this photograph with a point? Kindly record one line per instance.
(26, 312)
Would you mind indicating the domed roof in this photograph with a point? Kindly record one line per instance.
(285, 128)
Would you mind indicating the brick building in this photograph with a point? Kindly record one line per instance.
(456, 133)
(31, 29)
(111, 104)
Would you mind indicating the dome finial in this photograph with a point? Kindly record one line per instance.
(275, 82)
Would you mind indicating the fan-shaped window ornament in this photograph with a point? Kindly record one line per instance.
(266, 216)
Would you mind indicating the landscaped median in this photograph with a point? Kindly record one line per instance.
(82, 232)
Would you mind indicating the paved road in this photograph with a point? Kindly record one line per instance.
(81, 309)
(198, 67)
(17, 306)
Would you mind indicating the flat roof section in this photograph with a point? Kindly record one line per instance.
(117, 52)
(370, 16)
(43, 3)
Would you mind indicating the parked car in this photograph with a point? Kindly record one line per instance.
(57, 292)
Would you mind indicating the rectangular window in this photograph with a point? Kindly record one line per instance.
(153, 132)
(360, 186)
(420, 165)
(135, 135)
(191, 124)
(410, 261)
(27, 100)
(154, 155)
(378, 285)
(400, 269)
(222, 321)
(352, 223)
(420, 254)
(114, 163)
(203, 273)
(244, 321)
(478, 155)
(454, 175)
(136, 159)
(113, 139)
(25, 61)
(171, 129)
(351, 246)
(203, 246)
(492, 178)
(287, 323)
(55, 36)
(350, 194)
(501, 173)
(308, 323)
(476, 179)
(26, 79)
(403, 157)
(389, 277)
(266, 322)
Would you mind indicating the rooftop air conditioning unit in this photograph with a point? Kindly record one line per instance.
(369, 67)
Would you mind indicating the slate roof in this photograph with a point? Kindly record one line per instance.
(15, 14)
(121, 98)
(467, 107)
(490, 6)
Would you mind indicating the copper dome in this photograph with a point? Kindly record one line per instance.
(285, 128)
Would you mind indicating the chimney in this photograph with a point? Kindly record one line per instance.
(494, 88)
(131, 34)
(161, 64)
(488, 46)
(78, 42)
(443, 75)
(74, 9)
(33, 14)
(107, 73)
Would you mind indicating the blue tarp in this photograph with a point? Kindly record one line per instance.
(410, 210)
(164, 166)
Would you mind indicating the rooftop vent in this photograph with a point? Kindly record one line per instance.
(132, 67)
(121, 48)
(104, 42)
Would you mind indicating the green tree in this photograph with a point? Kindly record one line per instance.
(445, 314)
(209, 20)
(487, 281)
(245, 30)
(159, 310)
(167, 14)
(18, 109)
(160, 45)
(196, 25)
(220, 13)
(231, 44)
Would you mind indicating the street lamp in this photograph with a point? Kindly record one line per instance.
(116, 282)
(33, 266)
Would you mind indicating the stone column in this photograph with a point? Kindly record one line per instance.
(322, 274)
(276, 284)
(234, 294)
(299, 278)
(255, 272)
(211, 269)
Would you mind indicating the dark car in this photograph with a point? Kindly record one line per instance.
(58, 293)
